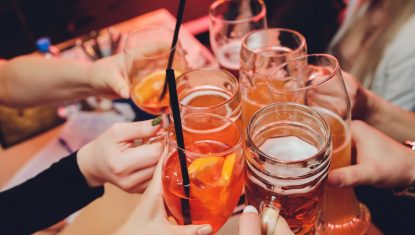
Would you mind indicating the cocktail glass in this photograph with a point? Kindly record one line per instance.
(229, 21)
(147, 51)
(288, 150)
(215, 166)
(210, 91)
(262, 52)
(316, 81)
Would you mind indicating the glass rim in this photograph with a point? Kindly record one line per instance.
(215, 4)
(143, 28)
(310, 86)
(303, 43)
(327, 135)
(171, 129)
(210, 70)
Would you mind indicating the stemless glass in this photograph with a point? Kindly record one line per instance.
(288, 150)
(215, 165)
(229, 21)
(263, 51)
(316, 81)
(147, 51)
(210, 91)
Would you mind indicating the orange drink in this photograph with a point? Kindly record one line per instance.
(215, 168)
(288, 157)
(341, 211)
(262, 51)
(317, 82)
(210, 91)
(147, 51)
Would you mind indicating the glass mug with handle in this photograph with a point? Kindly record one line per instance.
(288, 150)
(263, 51)
(316, 81)
(230, 21)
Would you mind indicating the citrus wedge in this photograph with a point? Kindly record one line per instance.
(151, 86)
(227, 167)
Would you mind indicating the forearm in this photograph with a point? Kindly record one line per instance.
(31, 80)
(390, 119)
(46, 199)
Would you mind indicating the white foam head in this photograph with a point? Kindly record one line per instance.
(289, 148)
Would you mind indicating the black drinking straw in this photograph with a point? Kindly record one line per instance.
(174, 43)
(174, 104)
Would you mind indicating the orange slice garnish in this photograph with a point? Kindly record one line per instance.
(151, 86)
(227, 168)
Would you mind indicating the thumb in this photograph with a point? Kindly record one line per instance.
(204, 229)
(351, 176)
(249, 222)
(134, 130)
(282, 227)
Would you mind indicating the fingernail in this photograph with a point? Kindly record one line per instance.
(205, 230)
(156, 121)
(250, 209)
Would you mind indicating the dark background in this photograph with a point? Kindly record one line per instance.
(23, 21)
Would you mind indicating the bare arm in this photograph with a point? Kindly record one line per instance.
(31, 80)
(394, 121)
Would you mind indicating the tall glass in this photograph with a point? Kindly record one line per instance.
(316, 81)
(263, 51)
(215, 165)
(229, 21)
(210, 91)
(147, 51)
(288, 158)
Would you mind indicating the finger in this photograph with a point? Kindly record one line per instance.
(360, 132)
(249, 222)
(351, 176)
(141, 188)
(192, 229)
(155, 189)
(141, 157)
(282, 227)
(137, 178)
(134, 130)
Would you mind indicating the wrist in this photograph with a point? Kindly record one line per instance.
(372, 106)
(86, 168)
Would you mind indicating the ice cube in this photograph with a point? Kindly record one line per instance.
(289, 148)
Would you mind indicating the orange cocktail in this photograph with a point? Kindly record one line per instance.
(215, 167)
(147, 51)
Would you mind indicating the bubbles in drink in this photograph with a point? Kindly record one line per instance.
(228, 55)
(289, 148)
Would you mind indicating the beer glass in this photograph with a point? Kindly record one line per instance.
(147, 51)
(230, 20)
(288, 150)
(215, 166)
(316, 81)
(263, 51)
(212, 91)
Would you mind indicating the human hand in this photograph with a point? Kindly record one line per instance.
(105, 76)
(250, 224)
(112, 157)
(150, 216)
(360, 97)
(381, 161)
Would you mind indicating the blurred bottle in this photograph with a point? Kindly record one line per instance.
(45, 47)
